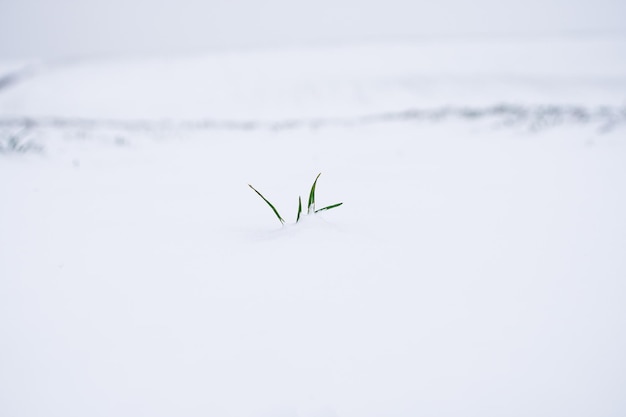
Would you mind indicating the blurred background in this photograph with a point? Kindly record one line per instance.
(476, 268)
(68, 28)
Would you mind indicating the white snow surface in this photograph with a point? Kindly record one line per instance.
(330, 82)
(475, 269)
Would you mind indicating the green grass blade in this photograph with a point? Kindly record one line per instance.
(269, 204)
(328, 207)
(311, 205)
(299, 208)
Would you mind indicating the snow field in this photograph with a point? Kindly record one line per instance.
(468, 273)
(476, 267)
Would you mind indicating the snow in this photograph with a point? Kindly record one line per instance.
(330, 82)
(476, 267)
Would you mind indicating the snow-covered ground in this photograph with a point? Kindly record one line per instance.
(476, 268)
(330, 82)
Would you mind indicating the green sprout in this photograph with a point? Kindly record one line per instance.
(310, 206)
(269, 204)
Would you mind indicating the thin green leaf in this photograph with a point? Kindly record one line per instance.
(328, 207)
(269, 204)
(311, 205)
(299, 208)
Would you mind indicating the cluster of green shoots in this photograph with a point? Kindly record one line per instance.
(310, 208)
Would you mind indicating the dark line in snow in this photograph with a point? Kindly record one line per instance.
(535, 117)
(14, 77)
(10, 78)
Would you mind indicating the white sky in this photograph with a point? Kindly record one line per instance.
(60, 28)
